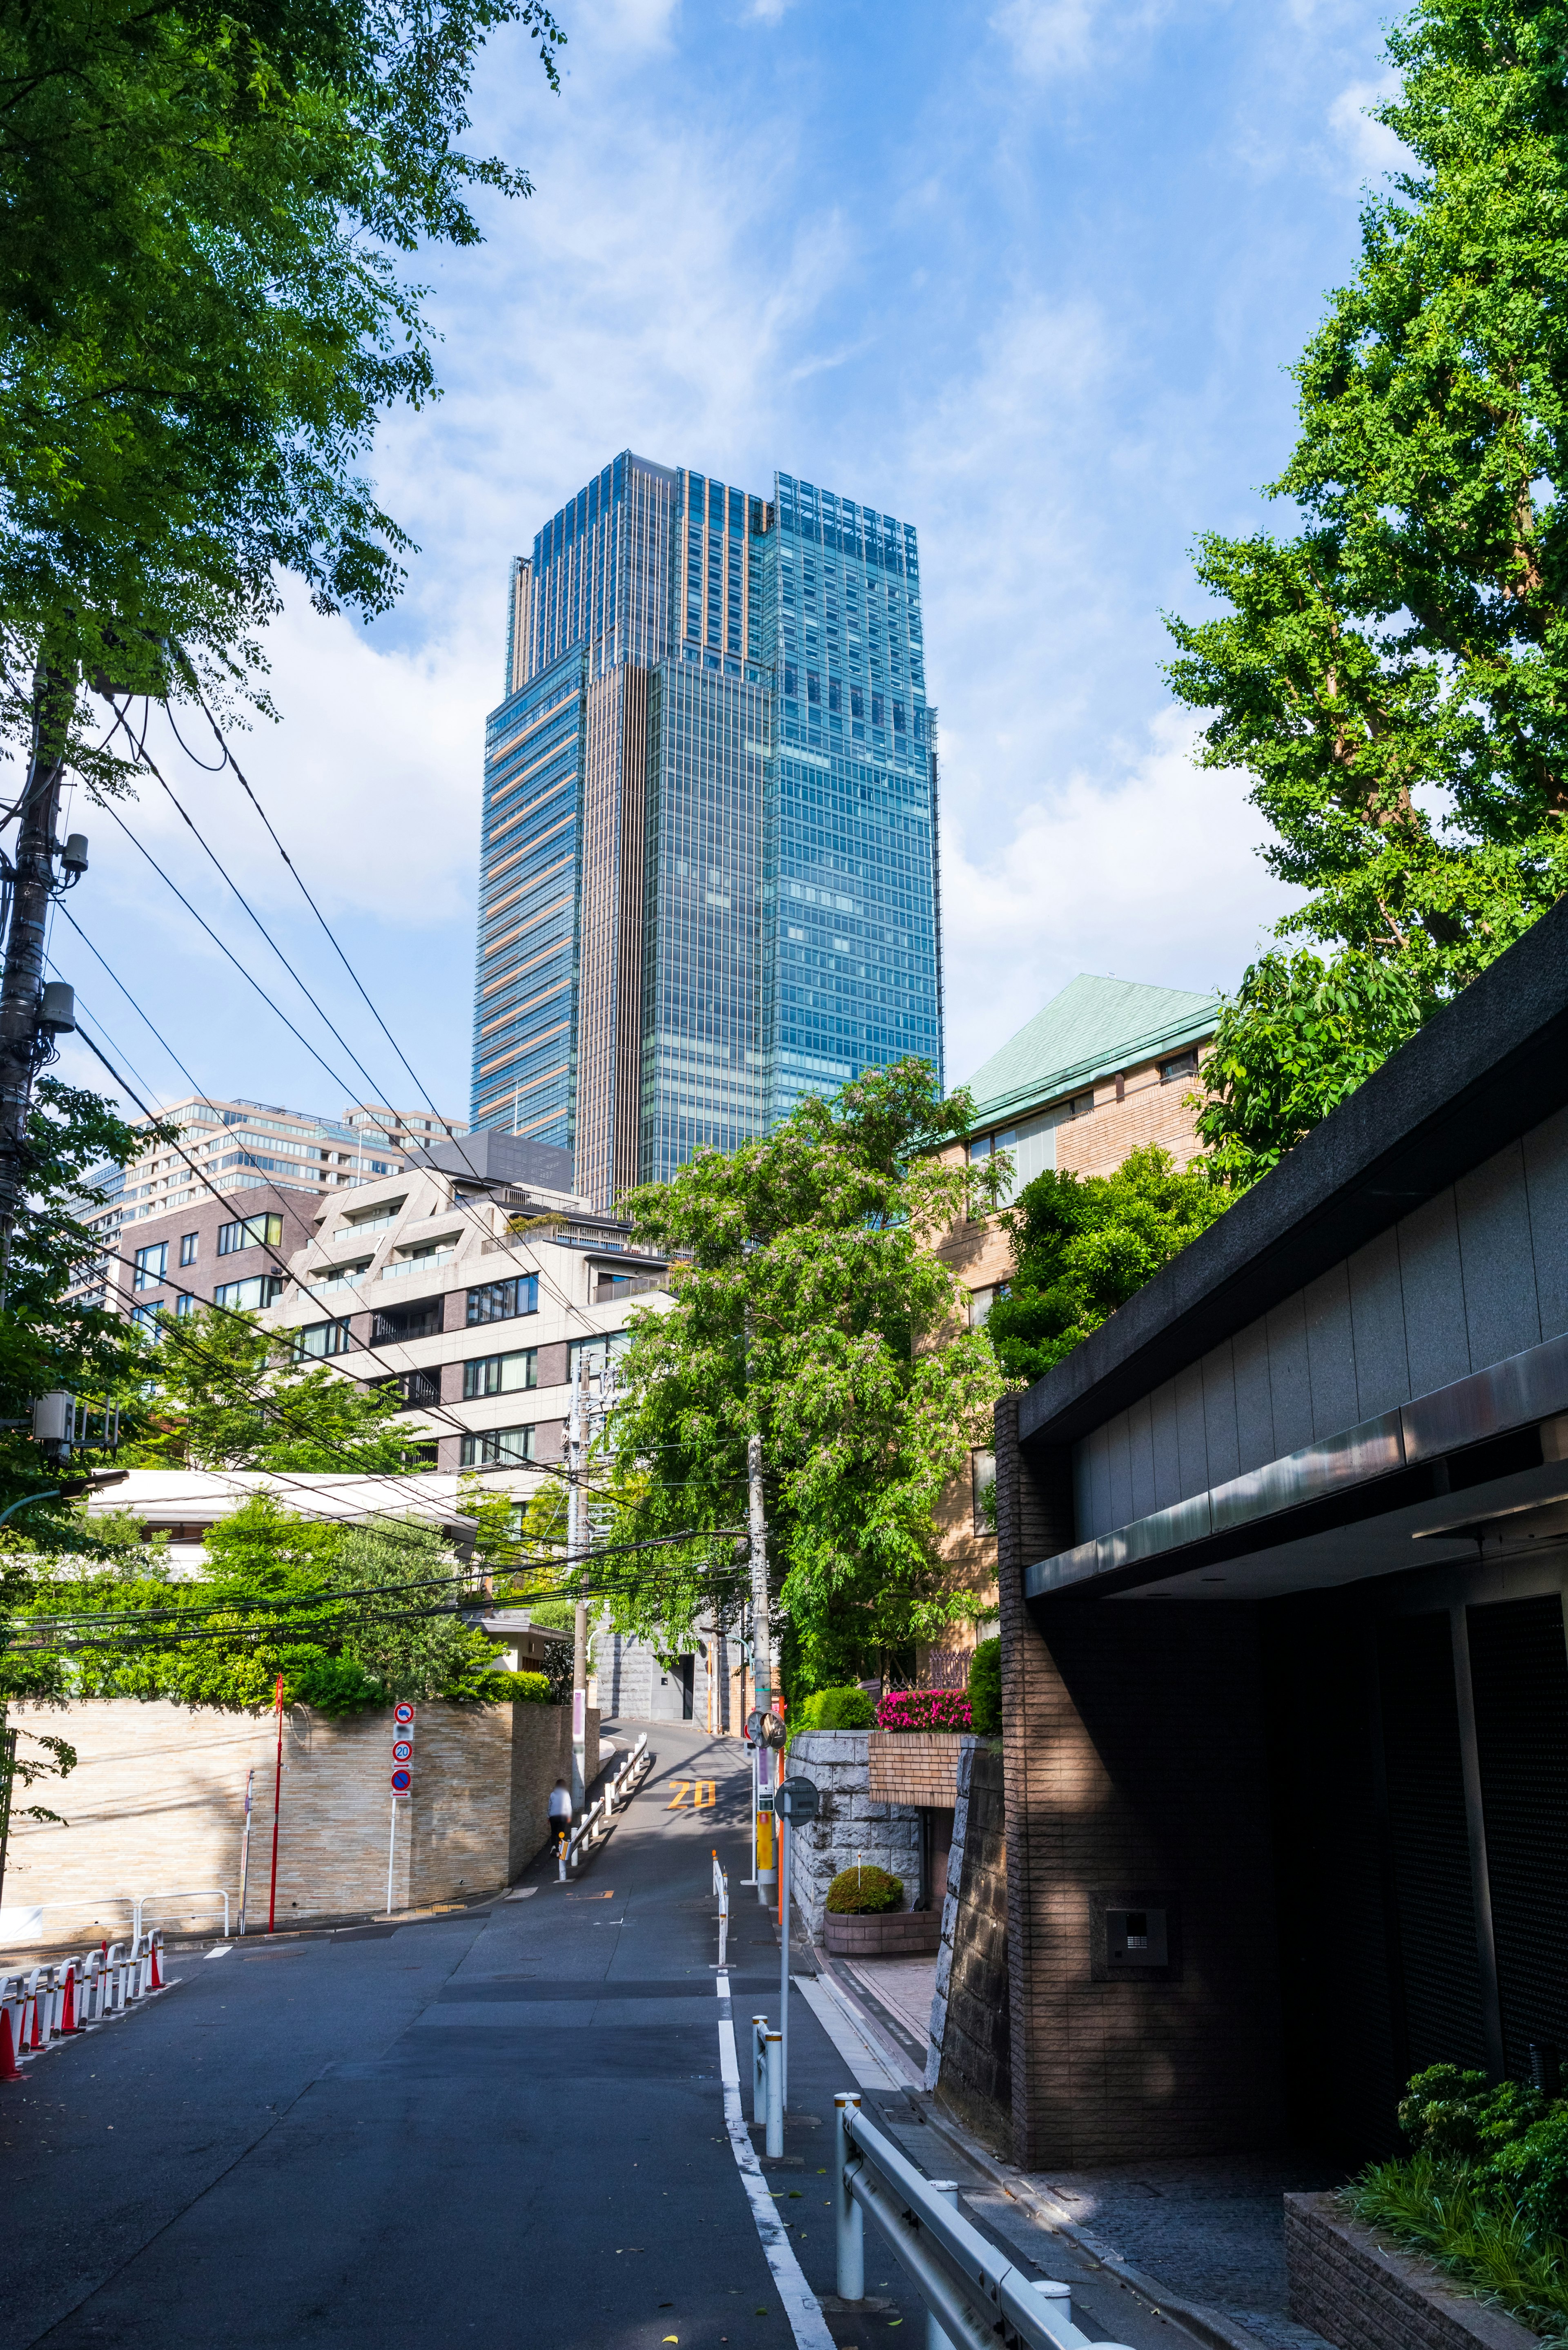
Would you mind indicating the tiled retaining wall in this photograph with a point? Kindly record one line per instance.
(914, 1766)
(157, 1804)
(970, 2063)
(851, 1823)
(1362, 2294)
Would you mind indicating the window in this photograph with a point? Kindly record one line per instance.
(501, 1301)
(596, 1352)
(322, 1338)
(982, 1490)
(1180, 1064)
(252, 1232)
(1081, 1105)
(984, 1144)
(498, 1448)
(981, 1302)
(420, 1390)
(249, 1296)
(501, 1374)
(188, 1247)
(151, 1264)
(145, 1317)
(422, 1321)
(185, 1303)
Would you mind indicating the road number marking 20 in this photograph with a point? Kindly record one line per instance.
(702, 1792)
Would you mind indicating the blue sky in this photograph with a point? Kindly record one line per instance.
(1029, 275)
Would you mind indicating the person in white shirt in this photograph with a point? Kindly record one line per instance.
(560, 1811)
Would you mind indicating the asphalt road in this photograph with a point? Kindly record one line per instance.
(505, 2124)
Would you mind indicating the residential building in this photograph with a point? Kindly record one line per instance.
(708, 879)
(1108, 1066)
(398, 1129)
(1284, 1558)
(240, 1184)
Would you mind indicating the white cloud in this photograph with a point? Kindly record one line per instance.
(1050, 38)
(1369, 148)
(1144, 869)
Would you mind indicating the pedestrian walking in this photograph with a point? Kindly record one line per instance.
(560, 1811)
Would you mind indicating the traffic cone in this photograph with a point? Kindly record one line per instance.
(9, 2068)
(156, 1980)
(37, 2038)
(69, 2003)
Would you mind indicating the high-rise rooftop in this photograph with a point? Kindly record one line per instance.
(709, 873)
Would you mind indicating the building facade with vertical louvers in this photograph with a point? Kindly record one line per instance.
(708, 875)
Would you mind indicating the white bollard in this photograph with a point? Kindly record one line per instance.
(775, 2092)
(936, 2339)
(759, 2070)
(850, 2219)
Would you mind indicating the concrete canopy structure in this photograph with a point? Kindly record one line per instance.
(1283, 1555)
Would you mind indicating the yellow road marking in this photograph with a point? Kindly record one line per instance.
(704, 1794)
(683, 1789)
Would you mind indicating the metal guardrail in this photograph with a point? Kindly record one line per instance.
(722, 1893)
(211, 1894)
(598, 1821)
(46, 2004)
(976, 2299)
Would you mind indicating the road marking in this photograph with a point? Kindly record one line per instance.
(800, 2305)
(522, 1893)
(683, 1789)
(833, 2011)
(704, 1794)
(221, 1951)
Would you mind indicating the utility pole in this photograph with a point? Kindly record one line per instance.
(24, 1037)
(767, 1829)
(577, 1520)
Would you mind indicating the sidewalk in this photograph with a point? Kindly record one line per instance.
(1202, 2241)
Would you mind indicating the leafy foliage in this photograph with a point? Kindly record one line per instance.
(848, 1708)
(1394, 675)
(985, 1688)
(923, 1709)
(1084, 1243)
(202, 314)
(229, 1398)
(865, 1893)
(810, 1305)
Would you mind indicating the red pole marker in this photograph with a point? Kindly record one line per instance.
(276, 1800)
(157, 1982)
(9, 2068)
(68, 2005)
(37, 2038)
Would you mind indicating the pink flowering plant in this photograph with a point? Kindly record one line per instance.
(930, 1708)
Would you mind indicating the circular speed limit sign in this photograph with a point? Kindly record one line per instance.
(403, 1751)
(401, 1781)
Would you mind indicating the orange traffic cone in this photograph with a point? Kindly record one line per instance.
(37, 2038)
(68, 2004)
(9, 2068)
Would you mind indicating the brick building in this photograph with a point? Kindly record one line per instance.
(1284, 1549)
(1106, 1067)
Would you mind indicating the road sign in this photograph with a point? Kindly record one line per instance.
(795, 1800)
(401, 1781)
(402, 1750)
(402, 1714)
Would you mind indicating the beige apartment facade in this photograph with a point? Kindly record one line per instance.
(1107, 1068)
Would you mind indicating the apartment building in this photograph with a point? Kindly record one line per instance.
(1108, 1066)
(240, 1184)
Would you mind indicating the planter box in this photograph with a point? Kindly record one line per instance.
(897, 1934)
(1363, 2294)
(914, 1766)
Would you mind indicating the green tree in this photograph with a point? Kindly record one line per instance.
(231, 1396)
(1084, 1243)
(1394, 671)
(810, 1305)
(203, 312)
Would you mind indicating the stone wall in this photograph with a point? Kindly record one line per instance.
(969, 2065)
(1363, 2295)
(156, 1805)
(849, 1825)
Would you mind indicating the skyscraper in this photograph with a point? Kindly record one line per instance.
(708, 879)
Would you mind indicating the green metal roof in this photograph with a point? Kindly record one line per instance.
(1094, 1028)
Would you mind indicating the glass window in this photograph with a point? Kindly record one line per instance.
(249, 1296)
(500, 1374)
(498, 1448)
(596, 1352)
(145, 1317)
(151, 1264)
(981, 1302)
(185, 1303)
(322, 1338)
(982, 1483)
(251, 1232)
(501, 1301)
(1180, 1064)
(188, 1247)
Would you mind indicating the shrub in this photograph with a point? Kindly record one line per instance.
(925, 1710)
(848, 1708)
(865, 1893)
(985, 1688)
(1456, 2116)
(522, 1689)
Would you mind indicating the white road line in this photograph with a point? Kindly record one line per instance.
(866, 2061)
(800, 2303)
(221, 1951)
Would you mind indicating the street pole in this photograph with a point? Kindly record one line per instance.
(783, 1959)
(246, 1848)
(761, 1648)
(276, 1800)
(391, 1854)
(21, 986)
(577, 1519)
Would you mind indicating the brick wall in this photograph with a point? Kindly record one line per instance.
(975, 2074)
(1363, 2294)
(157, 1804)
(913, 1766)
(851, 1823)
(1135, 1757)
(1149, 1111)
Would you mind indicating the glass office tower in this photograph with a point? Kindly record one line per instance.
(708, 879)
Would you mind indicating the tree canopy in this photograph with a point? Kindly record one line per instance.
(1392, 671)
(1084, 1243)
(810, 1306)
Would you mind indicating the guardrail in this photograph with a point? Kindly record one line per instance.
(767, 2084)
(136, 1904)
(629, 1777)
(44, 2005)
(976, 2299)
(722, 1890)
(211, 1894)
